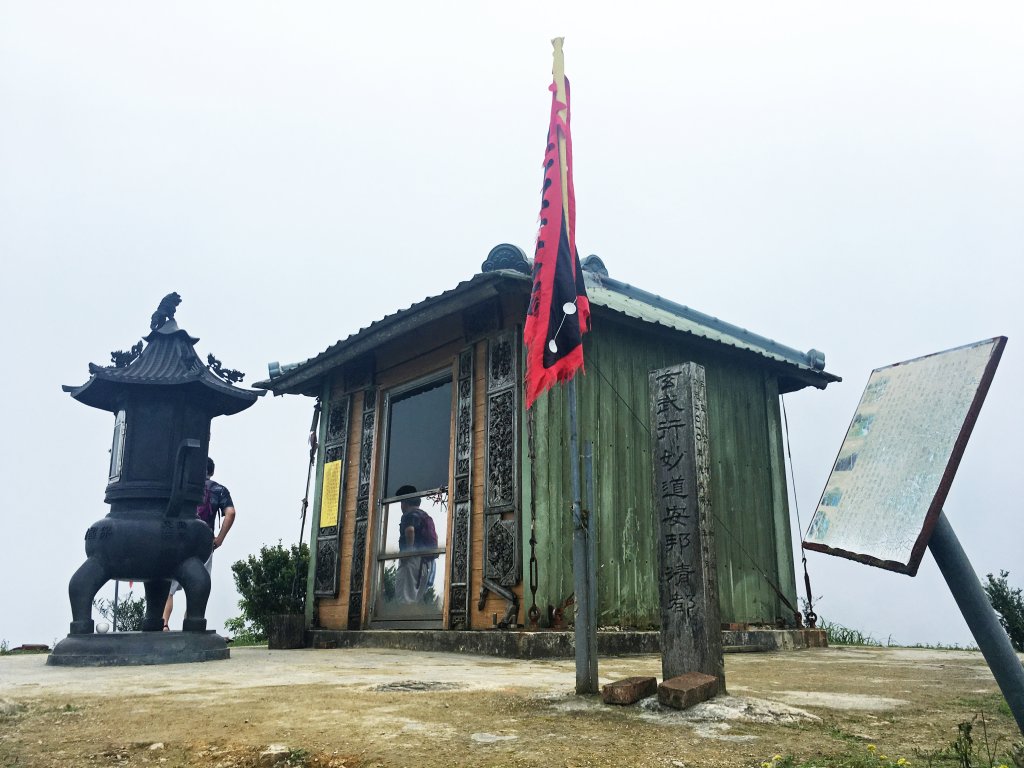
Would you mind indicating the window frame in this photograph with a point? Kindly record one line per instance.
(380, 554)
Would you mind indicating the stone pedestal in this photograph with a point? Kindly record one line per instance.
(121, 649)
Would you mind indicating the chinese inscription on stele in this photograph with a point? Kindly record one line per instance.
(691, 638)
(900, 455)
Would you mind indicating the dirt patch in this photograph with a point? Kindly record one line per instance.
(861, 701)
(417, 685)
(363, 707)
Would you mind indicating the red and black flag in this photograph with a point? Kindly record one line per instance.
(559, 312)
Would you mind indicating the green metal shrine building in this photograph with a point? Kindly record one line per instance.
(432, 397)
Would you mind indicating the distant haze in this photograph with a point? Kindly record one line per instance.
(848, 178)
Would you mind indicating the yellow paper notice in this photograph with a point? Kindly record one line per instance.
(329, 494)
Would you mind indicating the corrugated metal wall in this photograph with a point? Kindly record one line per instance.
(748, 481)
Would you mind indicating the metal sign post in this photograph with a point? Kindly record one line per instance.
(882, 504)
(900, 456)
(981, 618)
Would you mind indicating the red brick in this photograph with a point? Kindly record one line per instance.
(629, 691)
(687, 689)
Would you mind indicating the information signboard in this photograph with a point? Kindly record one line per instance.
(900, 455)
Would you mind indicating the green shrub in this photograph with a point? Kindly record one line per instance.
(241, 634)
(272, 582)
(127, 615)
(1009, 604)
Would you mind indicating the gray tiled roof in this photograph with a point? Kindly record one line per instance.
(604, 292)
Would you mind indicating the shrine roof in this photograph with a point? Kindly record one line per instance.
(507, 269)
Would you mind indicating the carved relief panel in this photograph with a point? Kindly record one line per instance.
(355, 600)
(502, 560)
(458, 587)
(328, 539)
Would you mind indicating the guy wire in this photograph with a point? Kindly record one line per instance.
(736, 541)
(809, 614)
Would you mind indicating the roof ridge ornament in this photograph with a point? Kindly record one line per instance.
(506, 256)
(122, 359)
(595, 264)
(165, 311)
(229, 375)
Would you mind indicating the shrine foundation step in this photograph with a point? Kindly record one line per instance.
(547, 644)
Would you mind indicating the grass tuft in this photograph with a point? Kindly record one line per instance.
(837, 634)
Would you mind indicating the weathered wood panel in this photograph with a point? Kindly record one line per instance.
(780, 494)
(747, 479)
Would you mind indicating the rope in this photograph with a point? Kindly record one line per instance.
(312, 462)
(624, 402)
(792, 475)
(735, 539)
(298, 589)
(809, 615)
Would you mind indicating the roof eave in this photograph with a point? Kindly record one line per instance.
(307, 378)
(796, 369)
(800, 378)
(770, 347)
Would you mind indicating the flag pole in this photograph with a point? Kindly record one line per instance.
(558, 71)
(582, 567)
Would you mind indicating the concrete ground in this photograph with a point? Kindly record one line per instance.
(360, 707)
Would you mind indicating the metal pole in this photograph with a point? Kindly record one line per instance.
(981, 618)
(585, 681)
(591, 531)
(113, 619)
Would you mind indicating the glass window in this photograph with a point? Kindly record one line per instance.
(438, 512)
(419, 436)
(410, 588)
(409, 582)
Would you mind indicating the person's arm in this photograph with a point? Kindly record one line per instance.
(410, 537)
(225, 526)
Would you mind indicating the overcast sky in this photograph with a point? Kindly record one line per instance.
(849, 178)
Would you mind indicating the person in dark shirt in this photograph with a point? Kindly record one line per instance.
(216, 503)
(415, 573)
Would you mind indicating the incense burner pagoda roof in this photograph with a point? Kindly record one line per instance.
(167, 360)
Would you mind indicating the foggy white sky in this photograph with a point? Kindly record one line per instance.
(850, 179)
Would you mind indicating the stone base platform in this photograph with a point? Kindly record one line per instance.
(548, 644)
(121, 649)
